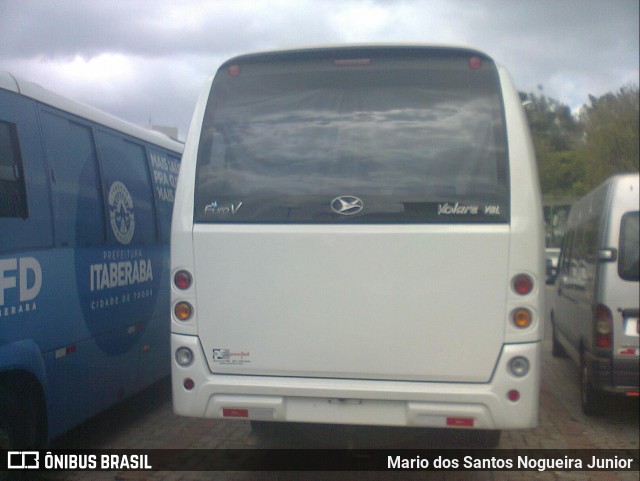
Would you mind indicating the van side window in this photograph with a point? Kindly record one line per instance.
(628, 265)
(128, 190)
(13, 198)
(75, 184)
(565, 263)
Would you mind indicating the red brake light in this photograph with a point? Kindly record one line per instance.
(522, 284)
(182, 280)
(234, 70)
(604, 323)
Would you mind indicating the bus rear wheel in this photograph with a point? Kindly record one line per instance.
(12, 433)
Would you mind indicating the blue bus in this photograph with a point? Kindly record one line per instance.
(85, 221)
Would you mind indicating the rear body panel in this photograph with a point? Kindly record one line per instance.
(353, 302)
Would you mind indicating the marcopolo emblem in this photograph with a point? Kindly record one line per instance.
(123, 220)
(346, 205)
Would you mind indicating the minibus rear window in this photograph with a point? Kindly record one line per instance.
(372, 137)
(628, 263)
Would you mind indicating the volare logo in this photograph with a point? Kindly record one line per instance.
(457, 209)
(123, 219)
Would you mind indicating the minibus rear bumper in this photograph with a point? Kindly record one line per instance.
(200, 393)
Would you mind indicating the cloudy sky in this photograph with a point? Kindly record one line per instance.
(146, 60)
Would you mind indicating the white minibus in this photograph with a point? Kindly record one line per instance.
(357, 239)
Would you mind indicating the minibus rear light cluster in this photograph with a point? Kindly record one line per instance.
(522, 284)
(184, 356)
(521, 317)
(188, 384)
(519, 366)
(182, 280)
(183, 311)
(603, 327)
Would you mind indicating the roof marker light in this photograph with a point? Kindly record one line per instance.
(475, 63)
(349, 62)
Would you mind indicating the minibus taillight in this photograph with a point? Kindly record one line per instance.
(604, 324)
(521, 317)
(522, 284)
(183, 310)
(182, 280)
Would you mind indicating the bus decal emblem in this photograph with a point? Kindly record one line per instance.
(123, 220)
(347, 205)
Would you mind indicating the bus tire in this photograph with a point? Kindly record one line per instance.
(13, 432)
(485, 438)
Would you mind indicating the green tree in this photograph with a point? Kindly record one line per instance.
(611, 131)
(558, 140)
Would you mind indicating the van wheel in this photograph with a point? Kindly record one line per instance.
(557, 350)
(590, 397)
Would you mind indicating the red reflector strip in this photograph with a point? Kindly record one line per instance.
(135, 328)
(65, 351)
(235, 413)
(460, 422)
(630, 351)
(632, 394)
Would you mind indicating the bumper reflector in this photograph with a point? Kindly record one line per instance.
(460, 422)
(235, 413)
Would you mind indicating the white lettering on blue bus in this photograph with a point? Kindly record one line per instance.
(120, 274)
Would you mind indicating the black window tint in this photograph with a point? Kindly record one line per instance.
(400, 139)
(629, 247)
(13, 198)
(567, 247)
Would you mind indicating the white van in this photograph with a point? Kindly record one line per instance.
(595, 312)
(358, 239)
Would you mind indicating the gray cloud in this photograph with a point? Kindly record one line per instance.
(161, 51)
